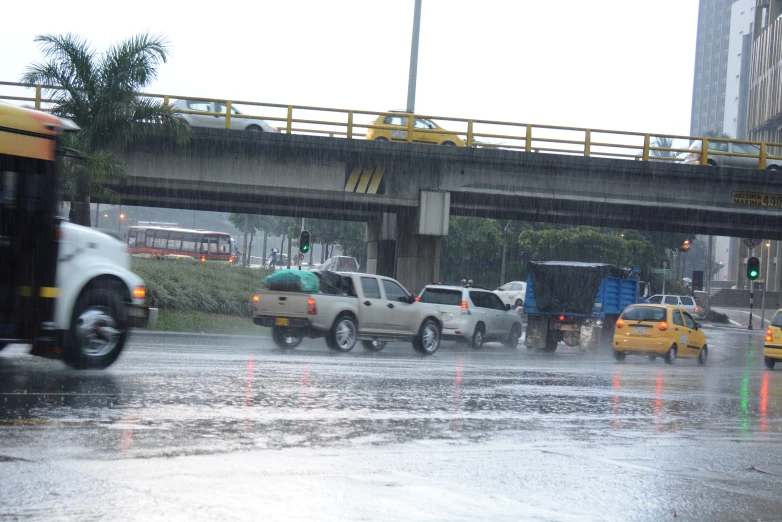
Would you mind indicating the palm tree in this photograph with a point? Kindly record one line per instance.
(663, 143)
(101, 93)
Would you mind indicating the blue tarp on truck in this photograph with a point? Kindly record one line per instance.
(582, 289)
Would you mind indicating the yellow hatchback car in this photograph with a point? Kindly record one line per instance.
(424, 131)
(772, 348)
(664, 330)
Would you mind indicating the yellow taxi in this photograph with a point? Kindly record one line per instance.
(424, 131)
(656, 329)
(772, 348)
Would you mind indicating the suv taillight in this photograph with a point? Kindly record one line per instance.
(465, 308)
(312, 308)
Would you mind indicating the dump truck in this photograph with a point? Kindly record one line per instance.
(577, 303)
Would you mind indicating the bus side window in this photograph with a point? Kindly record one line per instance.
(132, 238)
(150, 238)
(189, 242)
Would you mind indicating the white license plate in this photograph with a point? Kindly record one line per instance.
(641, 330)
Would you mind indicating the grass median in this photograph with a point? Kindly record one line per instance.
(201, 297)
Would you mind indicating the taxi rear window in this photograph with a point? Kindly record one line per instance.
(644, 313)
(777, 320)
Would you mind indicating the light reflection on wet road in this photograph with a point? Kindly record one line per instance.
(233, 428)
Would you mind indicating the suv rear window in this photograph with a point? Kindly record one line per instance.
(443, 296)
(644, 313)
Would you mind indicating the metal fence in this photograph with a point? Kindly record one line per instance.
(527, 137)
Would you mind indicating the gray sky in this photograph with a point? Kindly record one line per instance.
(601, 64)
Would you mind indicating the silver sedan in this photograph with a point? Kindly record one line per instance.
(215, 121)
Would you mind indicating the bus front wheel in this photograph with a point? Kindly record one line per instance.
(99, 329)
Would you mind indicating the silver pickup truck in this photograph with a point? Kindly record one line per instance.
(351, 307)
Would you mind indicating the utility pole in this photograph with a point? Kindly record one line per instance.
(665, 275)
(245, 261)
(765, 286)
(414, 58)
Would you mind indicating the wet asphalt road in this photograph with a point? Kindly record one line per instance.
(189, 427)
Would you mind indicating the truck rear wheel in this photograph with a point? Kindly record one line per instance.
(99, 329)
(285, 337)
(343, 333)
(551, 343)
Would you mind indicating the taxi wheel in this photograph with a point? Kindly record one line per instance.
(381, 138)
(449, 144)
(703, 355)
(670, 355)
(769, 362)
(619, 356)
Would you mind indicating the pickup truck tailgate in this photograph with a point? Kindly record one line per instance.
(281, 304)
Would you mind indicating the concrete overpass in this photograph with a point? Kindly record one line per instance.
(406, 192)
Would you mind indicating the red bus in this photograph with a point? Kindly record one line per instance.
(158, 241)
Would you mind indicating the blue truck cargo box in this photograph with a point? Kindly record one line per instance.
(613, 293)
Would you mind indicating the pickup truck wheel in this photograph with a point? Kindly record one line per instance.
(343, 333)
(513, 339)
(285, 338)
(99, 329)
(428, 339)
(373, 346)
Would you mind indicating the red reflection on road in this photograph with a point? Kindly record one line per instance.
(616, 385)
(658, 402)
(456, 422)
(248, 393)
(764, 403)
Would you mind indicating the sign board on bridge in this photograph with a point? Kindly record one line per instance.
(751, 243)
(663, 271)
(757, 199)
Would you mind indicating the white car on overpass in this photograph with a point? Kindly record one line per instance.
(218, 121)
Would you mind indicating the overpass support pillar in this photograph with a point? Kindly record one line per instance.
(381, 245)
(419, 235)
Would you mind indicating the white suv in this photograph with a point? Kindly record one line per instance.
(473, 314)
(684, 301)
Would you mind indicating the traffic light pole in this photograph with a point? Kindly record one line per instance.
(751, 298)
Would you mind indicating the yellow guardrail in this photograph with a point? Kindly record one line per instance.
(528, 137)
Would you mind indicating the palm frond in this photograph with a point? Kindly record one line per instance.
(131, 65)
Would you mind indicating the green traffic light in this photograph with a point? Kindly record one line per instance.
(304, 248)
(753, 274)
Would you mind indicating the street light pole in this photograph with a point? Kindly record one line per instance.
(414, 58)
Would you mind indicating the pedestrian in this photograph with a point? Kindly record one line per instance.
(273, 257)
